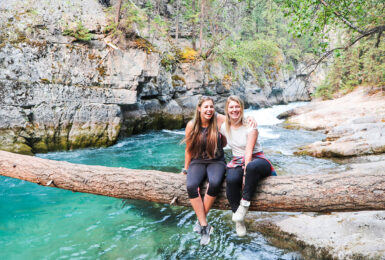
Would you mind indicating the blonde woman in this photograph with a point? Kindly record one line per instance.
(248, 165)
(204, 159)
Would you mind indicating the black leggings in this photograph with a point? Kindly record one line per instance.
(197, 173)
(256, 170)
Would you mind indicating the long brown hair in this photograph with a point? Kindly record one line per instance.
(195, 138)
(241, 118)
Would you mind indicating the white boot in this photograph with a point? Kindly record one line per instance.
(240, 228)
(240, 214)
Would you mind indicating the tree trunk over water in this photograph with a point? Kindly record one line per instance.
(302, 193)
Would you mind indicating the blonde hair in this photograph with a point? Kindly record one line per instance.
(241, 118)
(195, 137)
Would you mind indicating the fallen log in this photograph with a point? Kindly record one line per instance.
(302, 193)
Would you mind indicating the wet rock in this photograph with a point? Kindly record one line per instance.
(354, 125)
(358, 235)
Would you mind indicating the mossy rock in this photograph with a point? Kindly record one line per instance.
(172, 121)
(40, 147)
(18, 148)
(290, 125)
(188, 55)
(177, 77)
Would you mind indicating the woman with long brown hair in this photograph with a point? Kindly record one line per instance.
(204, 158)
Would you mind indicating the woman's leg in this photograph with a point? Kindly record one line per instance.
(215, 176)
(234, 180)
(256, 170)
(196, 173)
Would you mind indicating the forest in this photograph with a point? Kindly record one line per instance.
(252, 36)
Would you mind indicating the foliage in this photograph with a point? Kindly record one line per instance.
(78, 31)
(319, 18)
(361, 64)
(132, 18)
(325, 90)
(169, 61)
(188, 55)
(136, 19)
(133, 15)
(252, 55)
(143, 44)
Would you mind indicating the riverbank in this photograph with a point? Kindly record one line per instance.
(350, 235)
(355, 128)
(354, 124)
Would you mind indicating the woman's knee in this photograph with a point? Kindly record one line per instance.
(214, 186)
(259, 166)
(234, 176)
(195, 175)
(192, 190)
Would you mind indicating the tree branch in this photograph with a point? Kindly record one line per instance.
(378, 39)
(215, 43)
(378, 29)
(343, 19)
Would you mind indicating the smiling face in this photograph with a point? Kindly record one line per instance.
(234, 111)
(206, 110)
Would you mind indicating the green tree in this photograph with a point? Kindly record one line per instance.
(361, 19)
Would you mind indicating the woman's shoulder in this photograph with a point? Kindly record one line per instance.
(246, 129)
(190, 125)
(251, 130)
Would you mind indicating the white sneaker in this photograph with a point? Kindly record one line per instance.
(240, 214)
(205, 234)
(240, 228)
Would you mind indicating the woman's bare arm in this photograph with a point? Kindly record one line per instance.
(220, 120)
(187, 154)
(252, 137)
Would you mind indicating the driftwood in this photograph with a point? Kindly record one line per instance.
(303, 193)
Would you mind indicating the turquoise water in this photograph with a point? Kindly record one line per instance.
(48, 223)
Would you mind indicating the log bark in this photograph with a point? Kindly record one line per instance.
(303, 193)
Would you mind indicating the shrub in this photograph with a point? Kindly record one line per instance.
(188, 55)
(78, 31)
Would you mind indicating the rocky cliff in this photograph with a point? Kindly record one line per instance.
(59, 93)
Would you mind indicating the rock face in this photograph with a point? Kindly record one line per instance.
(355, 124)
(58, 93)
(358, 235)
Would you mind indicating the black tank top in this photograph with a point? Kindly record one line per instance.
(219, 154)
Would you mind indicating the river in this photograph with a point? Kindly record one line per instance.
(47, 223)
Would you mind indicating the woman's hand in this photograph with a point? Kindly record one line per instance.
(251, 122)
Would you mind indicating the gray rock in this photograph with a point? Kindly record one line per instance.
(51, 85)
